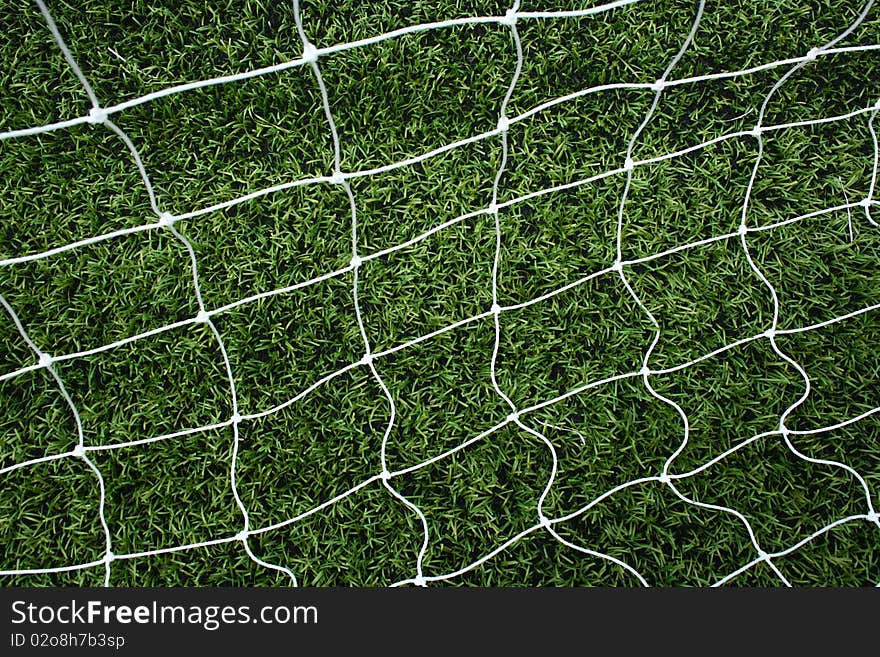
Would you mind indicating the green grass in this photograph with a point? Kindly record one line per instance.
(390, 101)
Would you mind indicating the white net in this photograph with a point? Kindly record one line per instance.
(572, 502)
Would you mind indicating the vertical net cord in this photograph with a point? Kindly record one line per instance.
(496, 310)
(99, 115)
(629, 166)
(869, 199)
(59, 41)
(244, 534)
(310, 54)
(503, 126)
(771, 332)
(166, 219)
(79, 450)
(664, 478)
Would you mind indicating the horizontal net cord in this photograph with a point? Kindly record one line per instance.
(574, 392)
(276, 68)
(869, 517)
(665, 479)
(872, 518)
(484, 559)
(340, 47)
(166, 220)
(190, 86)
(201, 317)
(866, 203)
(329, 377)
(514, 417)
(538, 526)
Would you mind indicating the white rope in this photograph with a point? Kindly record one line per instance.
(518, 417)
(771, 332)
(166, 218)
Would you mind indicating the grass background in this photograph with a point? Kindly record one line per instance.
(390, 101)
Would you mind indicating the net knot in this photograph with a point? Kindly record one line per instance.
(202, 317)
(310, 53)
(356, 261)
(236, 418)
(79, 451)
(763, 556)
(167, 219)
(617, 266)
(503, 123)
(812, 54)
(337, 178)
(513, 417)
(664, 479)
(769, 333)
(384, 475)
(645, 371)
(658, 85)
(629, 164)
(367, 359)
(873, 516)
(755, 132)
(743, 229)
(242, 535)
(109, 556)
(509, 18)
(545, 521)
(45, 360)
(865, 203)
(419, 580)
(496, 309)
(97, 115)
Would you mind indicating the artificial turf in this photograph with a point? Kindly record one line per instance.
(390, 101)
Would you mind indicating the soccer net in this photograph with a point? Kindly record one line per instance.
(455, 293)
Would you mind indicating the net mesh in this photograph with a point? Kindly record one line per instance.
(569, 505)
